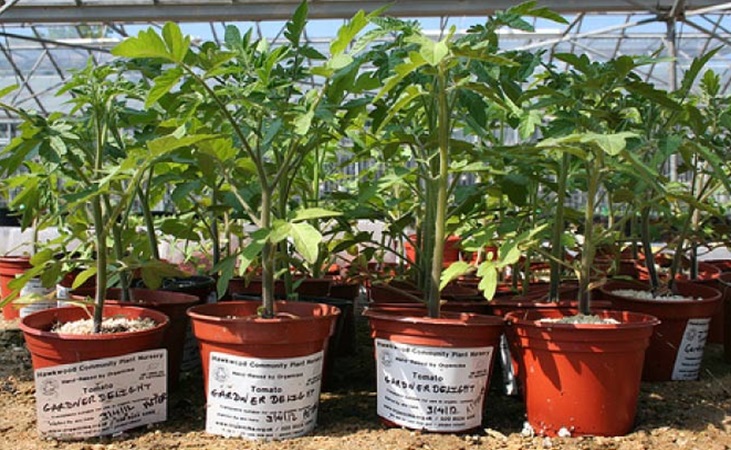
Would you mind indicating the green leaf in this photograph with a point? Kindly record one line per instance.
(179, 230)
(147, 44)
(314, 213)
(347, 33)
(402, 71)
(225, 268)
(509, 254)
(454, 271)
(611, 144)
(303, 123)
(166, 144)
(41, 257)
(409, 95)
(296, 25)
(488, 274)
(432, 52)
(8, 89)
(177, 44)
(163, 84)
(306, 240)
(280, 231)
(82, 277)
(252, 249)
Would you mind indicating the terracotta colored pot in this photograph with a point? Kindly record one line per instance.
(584, 378)
(10, 268)
(452, 251)
(676, 346)
(501, 307)
(311, 287)
(246, 356)
(421, 361)
(234, 328)
(393, 292)
(706, 271)
(724, 281)
(172, 304)
(716, 333)
(49, 349)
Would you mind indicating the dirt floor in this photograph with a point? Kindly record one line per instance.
(673, 415)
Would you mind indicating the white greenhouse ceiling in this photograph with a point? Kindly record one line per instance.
(41, 41)
(72, 11)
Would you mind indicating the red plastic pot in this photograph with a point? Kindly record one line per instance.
(452, 251)
(676, 346)
(419, 358)
(724, 282)
(235, 328)
(172, 304)
(581, 377)
(10, 268)
(49, 349)
(309, 287)
(717, 332)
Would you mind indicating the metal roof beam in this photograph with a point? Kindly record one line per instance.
(253, 10)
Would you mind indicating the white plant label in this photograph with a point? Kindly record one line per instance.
(432, 388)
(102, 396)
(263, 398)
(690, 353)
(34, 288)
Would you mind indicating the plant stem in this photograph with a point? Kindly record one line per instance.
(433, 298)
(147, 214)
(101, 234)
(267, 257)
(587, 257)
(647, 249)
(556, 247)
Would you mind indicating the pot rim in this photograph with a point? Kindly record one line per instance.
(447, 318)
(641, 320)
(194, 312)
(162, 321)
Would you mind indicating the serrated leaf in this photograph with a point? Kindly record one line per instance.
(454, 271)
(488, 281)
(306, 240)
(163, 84)
(225, 268)
(147, 44)
(177, 43)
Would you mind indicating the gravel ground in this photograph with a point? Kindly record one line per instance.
(672, 415)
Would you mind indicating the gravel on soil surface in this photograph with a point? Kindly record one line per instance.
(671, 415)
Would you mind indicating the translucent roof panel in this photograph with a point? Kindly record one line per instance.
(42, 40)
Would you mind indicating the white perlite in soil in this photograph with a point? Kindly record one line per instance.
(582, 319)
(647, 295)
(109, 325)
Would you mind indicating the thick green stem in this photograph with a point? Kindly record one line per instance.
(433, 297)
(119, 253)
(587, 257)
(144, 197)
(267, 257)
(101, 235)
(558, 228)
(647, 249)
